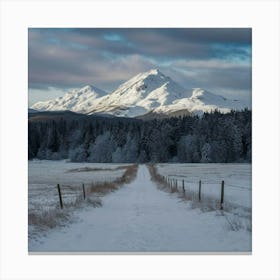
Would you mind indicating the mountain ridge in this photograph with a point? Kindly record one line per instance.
(149, 93)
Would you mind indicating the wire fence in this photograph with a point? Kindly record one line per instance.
(198, 187)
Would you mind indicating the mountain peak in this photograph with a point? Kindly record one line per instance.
(154, 71)
(77, 100)
(141, 85)
(87, 88)
(142, 94)
(90, 89)
(152, 74)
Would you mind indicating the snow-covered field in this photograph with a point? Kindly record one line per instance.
(44, 175)
(237, 178)
(71, 173)
(141, 218)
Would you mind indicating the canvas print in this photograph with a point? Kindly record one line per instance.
(139, 140)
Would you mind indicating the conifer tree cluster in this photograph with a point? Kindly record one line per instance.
(212, 137)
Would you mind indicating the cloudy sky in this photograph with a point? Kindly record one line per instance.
(217, 59)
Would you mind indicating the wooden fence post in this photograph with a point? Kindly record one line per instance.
(60, 196)
(222, 195)
(84, 192)
(199, 191)
(183, 184)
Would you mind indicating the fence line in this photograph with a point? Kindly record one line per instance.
(208, 183)
(60, 194)
(101, 186)
(174, 186)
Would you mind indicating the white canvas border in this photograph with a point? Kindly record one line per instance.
(17, 16)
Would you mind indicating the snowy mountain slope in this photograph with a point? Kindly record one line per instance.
(141, 94)
(150, 93)
(201, 101)
(78, 100)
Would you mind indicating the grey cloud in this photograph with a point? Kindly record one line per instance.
(227, 78)
(211, 76)
(196, 35)
(213, 35)
(58, 66)
(67, 58)
(162, 42)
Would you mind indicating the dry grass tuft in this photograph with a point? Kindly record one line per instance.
(106, 187)
(242, 215)
(90, 169)
(43, 218)
(156, 177)
(48, 218)
(87, 169)
(101, 187)
(128, 176)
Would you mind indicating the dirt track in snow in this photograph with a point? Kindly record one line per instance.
(141, 218)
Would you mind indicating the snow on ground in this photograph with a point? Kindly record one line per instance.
(237, 177)
(63, 172)
(141, 218)
(44, 175)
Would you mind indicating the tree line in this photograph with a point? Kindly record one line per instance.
(211, 137)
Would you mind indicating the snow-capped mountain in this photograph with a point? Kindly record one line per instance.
(78, 100)
(147, 93)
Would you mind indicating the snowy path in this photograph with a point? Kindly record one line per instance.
(141, 218)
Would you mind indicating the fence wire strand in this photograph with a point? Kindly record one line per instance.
(207, 183)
